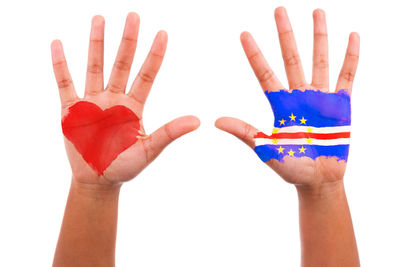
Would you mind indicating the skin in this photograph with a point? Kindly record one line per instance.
(327, 236)
(88, 232)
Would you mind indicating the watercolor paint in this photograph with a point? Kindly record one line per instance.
(100, 135)
(307, 124)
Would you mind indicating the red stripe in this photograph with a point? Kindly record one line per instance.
(298, 135)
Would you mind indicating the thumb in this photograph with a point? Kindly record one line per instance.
(169, 132)
(248, 134)
(238, 128)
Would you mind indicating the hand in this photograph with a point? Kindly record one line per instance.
(104, 135)
(298, 149)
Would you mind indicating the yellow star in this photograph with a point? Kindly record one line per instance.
(275, 141)
(282, 122)
(303, 121)
(309, 129)
(309, 140)
(291, 153)
(280, 150)
(275, 130)
(292, 117)
(302, 150)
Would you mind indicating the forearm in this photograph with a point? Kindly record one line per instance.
(326, 230)
(88, 231)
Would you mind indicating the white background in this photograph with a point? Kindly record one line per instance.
(207, 200)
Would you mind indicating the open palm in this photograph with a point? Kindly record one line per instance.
(104, 135)
(302, 170)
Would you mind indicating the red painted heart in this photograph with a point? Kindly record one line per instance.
(100, 135)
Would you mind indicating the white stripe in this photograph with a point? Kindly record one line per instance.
(302, 141)
(305, 129)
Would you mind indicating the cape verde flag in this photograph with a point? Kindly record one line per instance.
(307, 124)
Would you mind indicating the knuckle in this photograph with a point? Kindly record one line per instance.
(247, 132)
(95, 68)
(266, 76)
(297, 85)
(148, 150)
(137, 99)
(318, 84)
(292, 60)
(347, 75)
(97, 41)
(64, 83)
(147, 76)
(91, 92)
(320, 35)
(254, 57)
(114, 88)
(129, 39)
(352, 56)
(59, 63)
(352, 59)
(321, 62)
(121, 65)
(167, 131)
(285, 34)
(154, 54)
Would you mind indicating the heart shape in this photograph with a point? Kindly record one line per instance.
(100, 135)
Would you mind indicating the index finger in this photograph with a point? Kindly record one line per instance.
(346, 76)
(144, 80)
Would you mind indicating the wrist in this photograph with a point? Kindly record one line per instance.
(95, 191)
(321, 191)
(320, 201)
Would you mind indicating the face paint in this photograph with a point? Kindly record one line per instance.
(307, 124)
(100, 135)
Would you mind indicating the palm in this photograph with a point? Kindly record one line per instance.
(305, 170)
(301, 170)
(106, 141)
(118, 170)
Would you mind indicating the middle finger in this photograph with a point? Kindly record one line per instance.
(291, 58)
(123, 62)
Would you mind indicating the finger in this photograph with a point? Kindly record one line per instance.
(320, 76)
(291, 58)
(169, 132)
(94, 74)
(238, 128)
(63, 77)
(123, 62)
(246, 133)
(145, 78)
(350, 63)
(262, 70)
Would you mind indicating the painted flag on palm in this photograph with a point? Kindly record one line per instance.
(307, 124)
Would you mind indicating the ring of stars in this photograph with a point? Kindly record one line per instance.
(291, 153)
